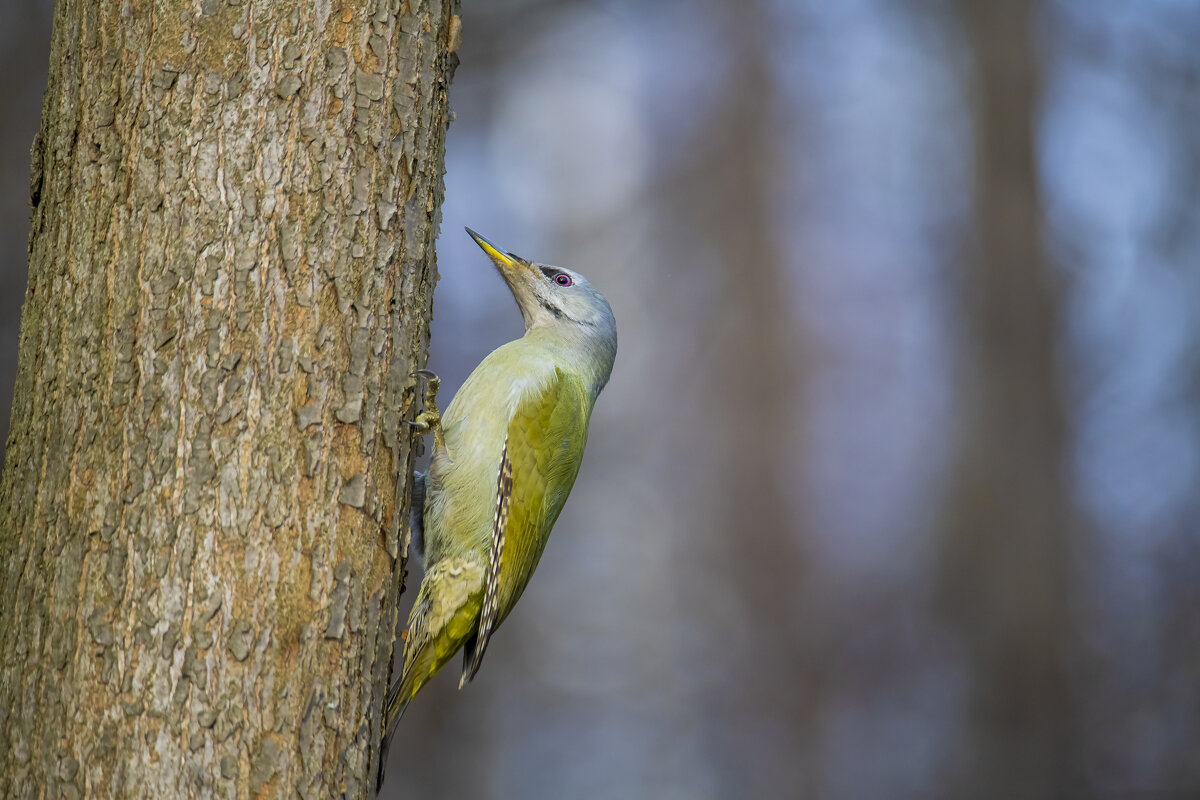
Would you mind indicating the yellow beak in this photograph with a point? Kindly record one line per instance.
(504, 261)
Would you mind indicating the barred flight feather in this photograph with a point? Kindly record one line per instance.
(487, 617)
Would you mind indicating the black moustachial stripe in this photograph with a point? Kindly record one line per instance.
(553, 309)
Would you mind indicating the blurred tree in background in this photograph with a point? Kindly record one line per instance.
(895, 491)
(1003, 572)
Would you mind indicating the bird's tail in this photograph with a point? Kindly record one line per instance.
(397, 702)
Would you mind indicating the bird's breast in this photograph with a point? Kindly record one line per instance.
(461, 485)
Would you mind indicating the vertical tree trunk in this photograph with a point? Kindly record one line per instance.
(202, 512)
(746, 359)
(759, 356)
(1003, 582)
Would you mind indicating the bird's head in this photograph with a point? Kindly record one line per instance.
(553, 297)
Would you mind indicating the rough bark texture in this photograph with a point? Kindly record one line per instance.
(204, 502)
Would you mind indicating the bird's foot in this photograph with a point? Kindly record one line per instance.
(430, 420)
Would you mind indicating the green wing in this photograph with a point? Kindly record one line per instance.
(542, 452)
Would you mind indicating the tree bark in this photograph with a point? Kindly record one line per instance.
(1004, 579)
(203, 511)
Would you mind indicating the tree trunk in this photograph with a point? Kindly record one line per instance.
(203, 511)
(1004, 578)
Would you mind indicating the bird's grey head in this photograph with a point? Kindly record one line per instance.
(558, 300)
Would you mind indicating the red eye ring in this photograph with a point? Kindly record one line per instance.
(562, 279)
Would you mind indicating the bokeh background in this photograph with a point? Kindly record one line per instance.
(895, 490)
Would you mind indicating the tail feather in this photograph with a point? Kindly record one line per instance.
(397, 702)
(444, 616)
(398, 699)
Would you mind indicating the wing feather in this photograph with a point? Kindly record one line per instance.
(473, 655)
(539, 462)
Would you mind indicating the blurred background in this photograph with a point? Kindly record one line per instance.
(895, 490)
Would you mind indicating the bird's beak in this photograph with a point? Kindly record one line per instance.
(507, 263)
(517, 272)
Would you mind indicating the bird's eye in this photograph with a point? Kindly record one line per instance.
(562, 279)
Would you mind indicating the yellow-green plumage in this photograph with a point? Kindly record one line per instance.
(514, 438)
(544, 441)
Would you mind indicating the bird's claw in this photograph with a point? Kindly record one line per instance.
(432, 384)
(430, 420)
